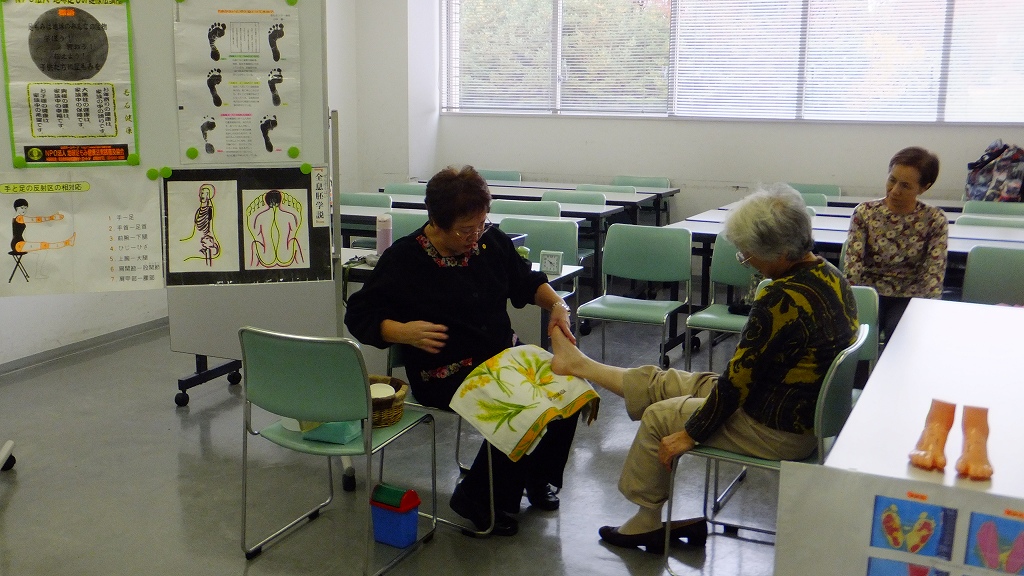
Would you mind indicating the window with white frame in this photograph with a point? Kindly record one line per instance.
(826, 60)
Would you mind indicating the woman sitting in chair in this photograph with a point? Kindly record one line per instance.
(897, 244)
(441, 293)
(763, 405)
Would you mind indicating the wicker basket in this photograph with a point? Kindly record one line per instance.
(387, 411)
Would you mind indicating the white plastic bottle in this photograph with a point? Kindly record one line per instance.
(383, 233)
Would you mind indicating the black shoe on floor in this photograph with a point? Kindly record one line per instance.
(543, 497)
(695, 531)
(480, 515)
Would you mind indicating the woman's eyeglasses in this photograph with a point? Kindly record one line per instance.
(475, 233)
(742, 259)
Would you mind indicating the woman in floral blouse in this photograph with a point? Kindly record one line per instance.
(897, 244)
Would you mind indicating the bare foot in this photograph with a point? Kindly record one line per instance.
(929, 454)
(567, 357)
(974, 463)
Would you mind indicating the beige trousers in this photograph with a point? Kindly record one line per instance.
(663, 400)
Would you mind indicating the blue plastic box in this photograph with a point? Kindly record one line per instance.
(395, 525)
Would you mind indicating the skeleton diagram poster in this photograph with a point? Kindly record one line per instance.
(237, 66)
(237, 226)
(70, 89)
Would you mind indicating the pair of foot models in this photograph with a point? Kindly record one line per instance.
(929, 454)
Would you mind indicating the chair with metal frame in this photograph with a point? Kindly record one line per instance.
(646, 182)
(826, 189)
(994, 275)
(553, 235)
(18, 266)
(366, 238)
(831, 411)
(319, 379)
(814, 199)
(642, 253)
(7, 456)
(526, 207)
(726, 273)
(405, 223)
(501, 175)
(987, 220)
(395, 360)
(994, 208)
(406, 188)
(586, 232)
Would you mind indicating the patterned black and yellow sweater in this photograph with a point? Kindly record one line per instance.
(797, 326)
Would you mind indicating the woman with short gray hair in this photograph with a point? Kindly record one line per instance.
(763, 404)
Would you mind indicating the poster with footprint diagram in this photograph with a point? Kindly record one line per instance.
(238, 83)
(916, 527)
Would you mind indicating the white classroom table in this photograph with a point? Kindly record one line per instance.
(954, 351)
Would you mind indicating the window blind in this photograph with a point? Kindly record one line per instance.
(826, 60)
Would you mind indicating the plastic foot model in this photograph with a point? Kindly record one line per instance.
(929, 454)
(973, 463)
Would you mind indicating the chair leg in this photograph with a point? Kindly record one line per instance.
(686, 348)
(603, 324)
(469, 529)
(312, 514)
(458, 447)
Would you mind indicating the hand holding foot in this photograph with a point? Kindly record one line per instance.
(973, 463)
(929, 453)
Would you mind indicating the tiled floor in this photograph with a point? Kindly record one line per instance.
(112, 478)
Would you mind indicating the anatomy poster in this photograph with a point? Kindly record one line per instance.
(237, 69)
(232, 226)
(80, 231)
(70, 88)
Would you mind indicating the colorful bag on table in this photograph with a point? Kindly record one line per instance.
(997, 175)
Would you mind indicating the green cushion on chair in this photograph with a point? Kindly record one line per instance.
(716, 317)
(610, 307)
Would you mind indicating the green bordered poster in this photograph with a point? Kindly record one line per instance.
(69, 80)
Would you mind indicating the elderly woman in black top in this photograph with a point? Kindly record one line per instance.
(441, 293)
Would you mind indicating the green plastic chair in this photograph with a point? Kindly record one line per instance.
(530, 207)
(826, 189)
(646, 182)
(575, 197)
(501, 175)
(366, 232)
(831, 411)
(320, 380)
(983, 220)
(642, 253)
(606, 188)
(405, 223)
(726, 272)
(642, 181)
(406, 188)
(815, 199)
(554, 235)
(994, 276)
(867, 315)
(995, 208)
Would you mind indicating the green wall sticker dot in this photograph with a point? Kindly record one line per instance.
(293, 152)
(192, 153)
(306, 168)
(166, 172)
(293, 2)
(152, 173)
(133, 159)
(19, 162)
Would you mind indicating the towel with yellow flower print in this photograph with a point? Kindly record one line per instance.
(511, 397)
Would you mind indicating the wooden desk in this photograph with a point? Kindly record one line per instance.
(937, 351)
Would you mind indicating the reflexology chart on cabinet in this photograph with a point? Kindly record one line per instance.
(834, 521)
(237, 67)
